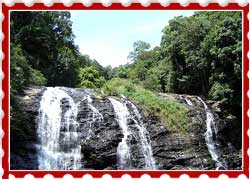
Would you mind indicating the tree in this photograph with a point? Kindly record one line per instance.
(138, 48)
(19, 69)
(64, 70)
(226, 64)
(121, 72)
(89, 77)
(42, 35)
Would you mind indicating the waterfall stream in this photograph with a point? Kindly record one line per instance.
(59, 147)
(94, 116)
(189, 102)
(145, 143)
(123, 151)
(210, 136)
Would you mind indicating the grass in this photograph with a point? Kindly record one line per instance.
(172, 114)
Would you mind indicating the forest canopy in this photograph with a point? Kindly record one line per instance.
(198, 55)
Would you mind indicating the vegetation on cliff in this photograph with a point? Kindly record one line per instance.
(171, 113)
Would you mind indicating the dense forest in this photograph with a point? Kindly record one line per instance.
(198, 55)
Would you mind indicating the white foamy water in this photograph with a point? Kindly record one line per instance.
(59, 147)
(123, 150)
(188, 102)
(209, 136)
(93, 117)
(145, 143)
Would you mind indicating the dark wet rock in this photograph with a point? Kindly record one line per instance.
(171, 150)
(227, 143)
(23, 151)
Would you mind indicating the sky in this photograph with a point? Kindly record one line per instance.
(108, 36)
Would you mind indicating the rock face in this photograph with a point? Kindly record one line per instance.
(227, 148)
(23, 151)
(100, 135)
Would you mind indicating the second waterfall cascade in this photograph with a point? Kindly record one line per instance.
(94, 116)
(145, 143)
(123, 150)
(210, 134)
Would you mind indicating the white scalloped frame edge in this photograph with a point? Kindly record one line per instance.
(126, 3)
(123, 3)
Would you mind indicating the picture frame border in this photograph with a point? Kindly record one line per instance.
(118, 173)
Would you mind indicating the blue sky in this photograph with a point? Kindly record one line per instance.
(108, 36)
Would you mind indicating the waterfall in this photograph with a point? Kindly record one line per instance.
(59, 147)
(93, 117)
(188, 102)
(145, 144)
(210, 136)
(123, 150)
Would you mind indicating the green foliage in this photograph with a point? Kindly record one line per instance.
(152, 81)
(199, 55)
(120, 72)
(118, 86)
(187, 46)
(19, 69)
(172, 114)
(46, 40)
(139, 48)
(221, 92)
(37, 78)
(90, 78)
(223, 51)
(64, 71)
(85, 61)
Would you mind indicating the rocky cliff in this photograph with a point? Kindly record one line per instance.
(100, 134)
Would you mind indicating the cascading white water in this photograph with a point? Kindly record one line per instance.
(188, 102)
(123, 150)
(94, 116)
(209, 136)
(59, 147)
(145, 143)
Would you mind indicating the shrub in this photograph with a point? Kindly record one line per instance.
(89, 77)
(221, 92)
(37, 78)
(19, 69)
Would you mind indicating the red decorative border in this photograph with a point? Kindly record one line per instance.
(118, 173)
